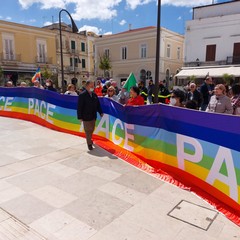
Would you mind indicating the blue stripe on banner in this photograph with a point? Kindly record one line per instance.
(216, 128)
(220, 129)
(54, 98)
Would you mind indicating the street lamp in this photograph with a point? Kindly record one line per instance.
(74, 30)
(157, 52)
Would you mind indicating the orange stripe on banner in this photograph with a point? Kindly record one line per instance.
(160, 170)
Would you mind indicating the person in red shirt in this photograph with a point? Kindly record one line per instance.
(135, 99)
(98, 88)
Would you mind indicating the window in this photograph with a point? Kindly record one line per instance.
(83, 63)
(143, 51)
(83, 47)
(210, 52)
(124, 53)
(41, 51)
(74, 62)
(168, 51)
(107, 53)
(178, 53)
(236, 53)
(73, 44)
(8, 47)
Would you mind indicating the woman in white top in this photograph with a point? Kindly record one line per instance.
(111, 94)
(219, 102)
(71, 90)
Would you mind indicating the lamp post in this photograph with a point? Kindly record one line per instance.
(74, 30)
(157, 52)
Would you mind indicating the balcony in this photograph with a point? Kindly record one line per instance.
(44, 60)
(228, 61)
(72, 69)
(233, 60)
(10, 57)
(74, 51)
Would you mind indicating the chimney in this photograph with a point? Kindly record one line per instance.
(130, 26)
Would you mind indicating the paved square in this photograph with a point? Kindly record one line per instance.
(194, 214)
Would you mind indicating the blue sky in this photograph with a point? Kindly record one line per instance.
(102, 16)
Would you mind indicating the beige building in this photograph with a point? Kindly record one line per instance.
(135, 51)
(25, 48)
(78, 64)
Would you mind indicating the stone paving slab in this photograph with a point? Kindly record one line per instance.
(55, 188)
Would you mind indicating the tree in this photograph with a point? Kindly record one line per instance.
(227, 78)
(46, 73)
(104, 64)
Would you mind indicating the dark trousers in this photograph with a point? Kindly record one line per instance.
(89, 129)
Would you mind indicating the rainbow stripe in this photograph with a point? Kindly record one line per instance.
(200, 150)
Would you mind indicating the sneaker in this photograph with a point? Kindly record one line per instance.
(90, 147)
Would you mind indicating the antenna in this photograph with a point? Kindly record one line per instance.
(52, 19)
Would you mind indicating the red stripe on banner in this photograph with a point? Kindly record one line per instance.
(162, 171)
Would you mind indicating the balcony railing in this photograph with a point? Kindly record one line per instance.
(10, 57)
(74, 51)
(45, 60)
(229, 60)
(72, 69)
(233, 60)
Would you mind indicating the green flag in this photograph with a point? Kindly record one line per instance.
(131, 81)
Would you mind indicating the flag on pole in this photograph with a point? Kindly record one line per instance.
(37, 75)
(131, 81)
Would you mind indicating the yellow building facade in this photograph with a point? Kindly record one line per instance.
(135, 51)
(77, 49)
(25, 48)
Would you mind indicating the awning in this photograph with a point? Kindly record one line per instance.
(213, 72)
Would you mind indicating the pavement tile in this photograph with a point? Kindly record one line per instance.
(10, 193)
(53, 196)
(52, 222)
(61, 169)
(102, 173)
(97, 209)
(112, 188)
(79, 184)
(27, 208)
(139, 181)
(121, 230)
(76, 230)
(34, 179)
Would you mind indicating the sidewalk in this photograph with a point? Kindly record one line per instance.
(52, 187)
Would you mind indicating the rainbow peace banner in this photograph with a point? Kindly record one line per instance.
(195, 150)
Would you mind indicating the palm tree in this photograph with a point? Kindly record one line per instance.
(104, 64)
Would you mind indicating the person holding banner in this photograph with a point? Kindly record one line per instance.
(220, 103)
(87, 108)
(135, 99)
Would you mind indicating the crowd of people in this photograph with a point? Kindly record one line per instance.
(207, 97)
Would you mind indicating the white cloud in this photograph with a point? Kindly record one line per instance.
(47, 23)
(186, 3)
(8, 18)
(32, 20)
(91, 29)
(103, 10)
(179, 18)
(134, 3)
(123, 22)
(108, 33)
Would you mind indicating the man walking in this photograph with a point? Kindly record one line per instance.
(88, 106)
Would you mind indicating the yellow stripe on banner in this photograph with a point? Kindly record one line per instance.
(152, 154)
(196, 170)
(65, 125)
(19, 110)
